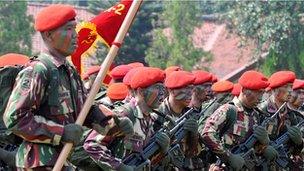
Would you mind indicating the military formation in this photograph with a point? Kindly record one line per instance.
(146, 118)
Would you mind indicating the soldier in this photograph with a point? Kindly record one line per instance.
(232, 123)
(45, 102)
(281, 87)
(149, 93)
(221, 91)
(201, 89)
(180, 88)
(295, 103)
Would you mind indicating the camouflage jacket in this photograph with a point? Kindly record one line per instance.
(108, 151)
(219, 136)
(278, 126)
(189, 144)
(41, 126)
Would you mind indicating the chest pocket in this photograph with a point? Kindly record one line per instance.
(65, 100)
(239, 130)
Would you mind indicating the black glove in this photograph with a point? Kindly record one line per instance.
(72, 133)
(191, 125)
(270, 153)
(8, 157)
(236, 161)
(295, 135)
(124, 167)
(163, 141)
(125, 124)
(261, 134)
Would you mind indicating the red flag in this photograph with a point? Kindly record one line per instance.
(102, 28)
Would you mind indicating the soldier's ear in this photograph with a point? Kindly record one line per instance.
(47, 36)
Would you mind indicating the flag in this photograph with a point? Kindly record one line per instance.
(102, 28)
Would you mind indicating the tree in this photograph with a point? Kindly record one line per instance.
(16, 29)
(276, 26)
(175, 48)
(137, 40)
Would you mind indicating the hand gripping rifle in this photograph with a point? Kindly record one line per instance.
(280, 144)
(152, 155)
(246, 149)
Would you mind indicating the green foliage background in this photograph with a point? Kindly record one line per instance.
(16, 28)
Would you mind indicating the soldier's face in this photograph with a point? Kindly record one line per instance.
(297, 97)
(253, 97)
(64, 38)
(283, 93)
(183, 95)
(154, 95)
(202, 92)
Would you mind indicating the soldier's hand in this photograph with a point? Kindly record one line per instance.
(236, 161)
(261, 134)
(295, 134)
(270, 153)
(9, 157)
(124, 167)
(191, 125)
(125, 124)
(72, 133)
(163, 141)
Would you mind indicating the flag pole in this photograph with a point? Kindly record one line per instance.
(100, 77)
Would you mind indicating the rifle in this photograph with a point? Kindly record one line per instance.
(251, 141)
(6, 145)
(246, 149)
(280, 144)
(151, 154)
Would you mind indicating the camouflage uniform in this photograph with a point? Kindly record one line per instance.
(29, 115)
(192, 142)
(219, 136)
(211, 109)
(278, 126)
(106, 151)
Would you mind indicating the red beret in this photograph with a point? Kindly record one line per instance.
(170, 69)
(281, 78)
(214, 78)
(136, 64)
(91, 70)
(236, 89)
(54, 16)
(222, 86)
(179, 79)
(201, 77)
(253, 80)
(13, 59)
(298, 84)
(147, 76)
(127, 78)
(117, 91)
(120, 71)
